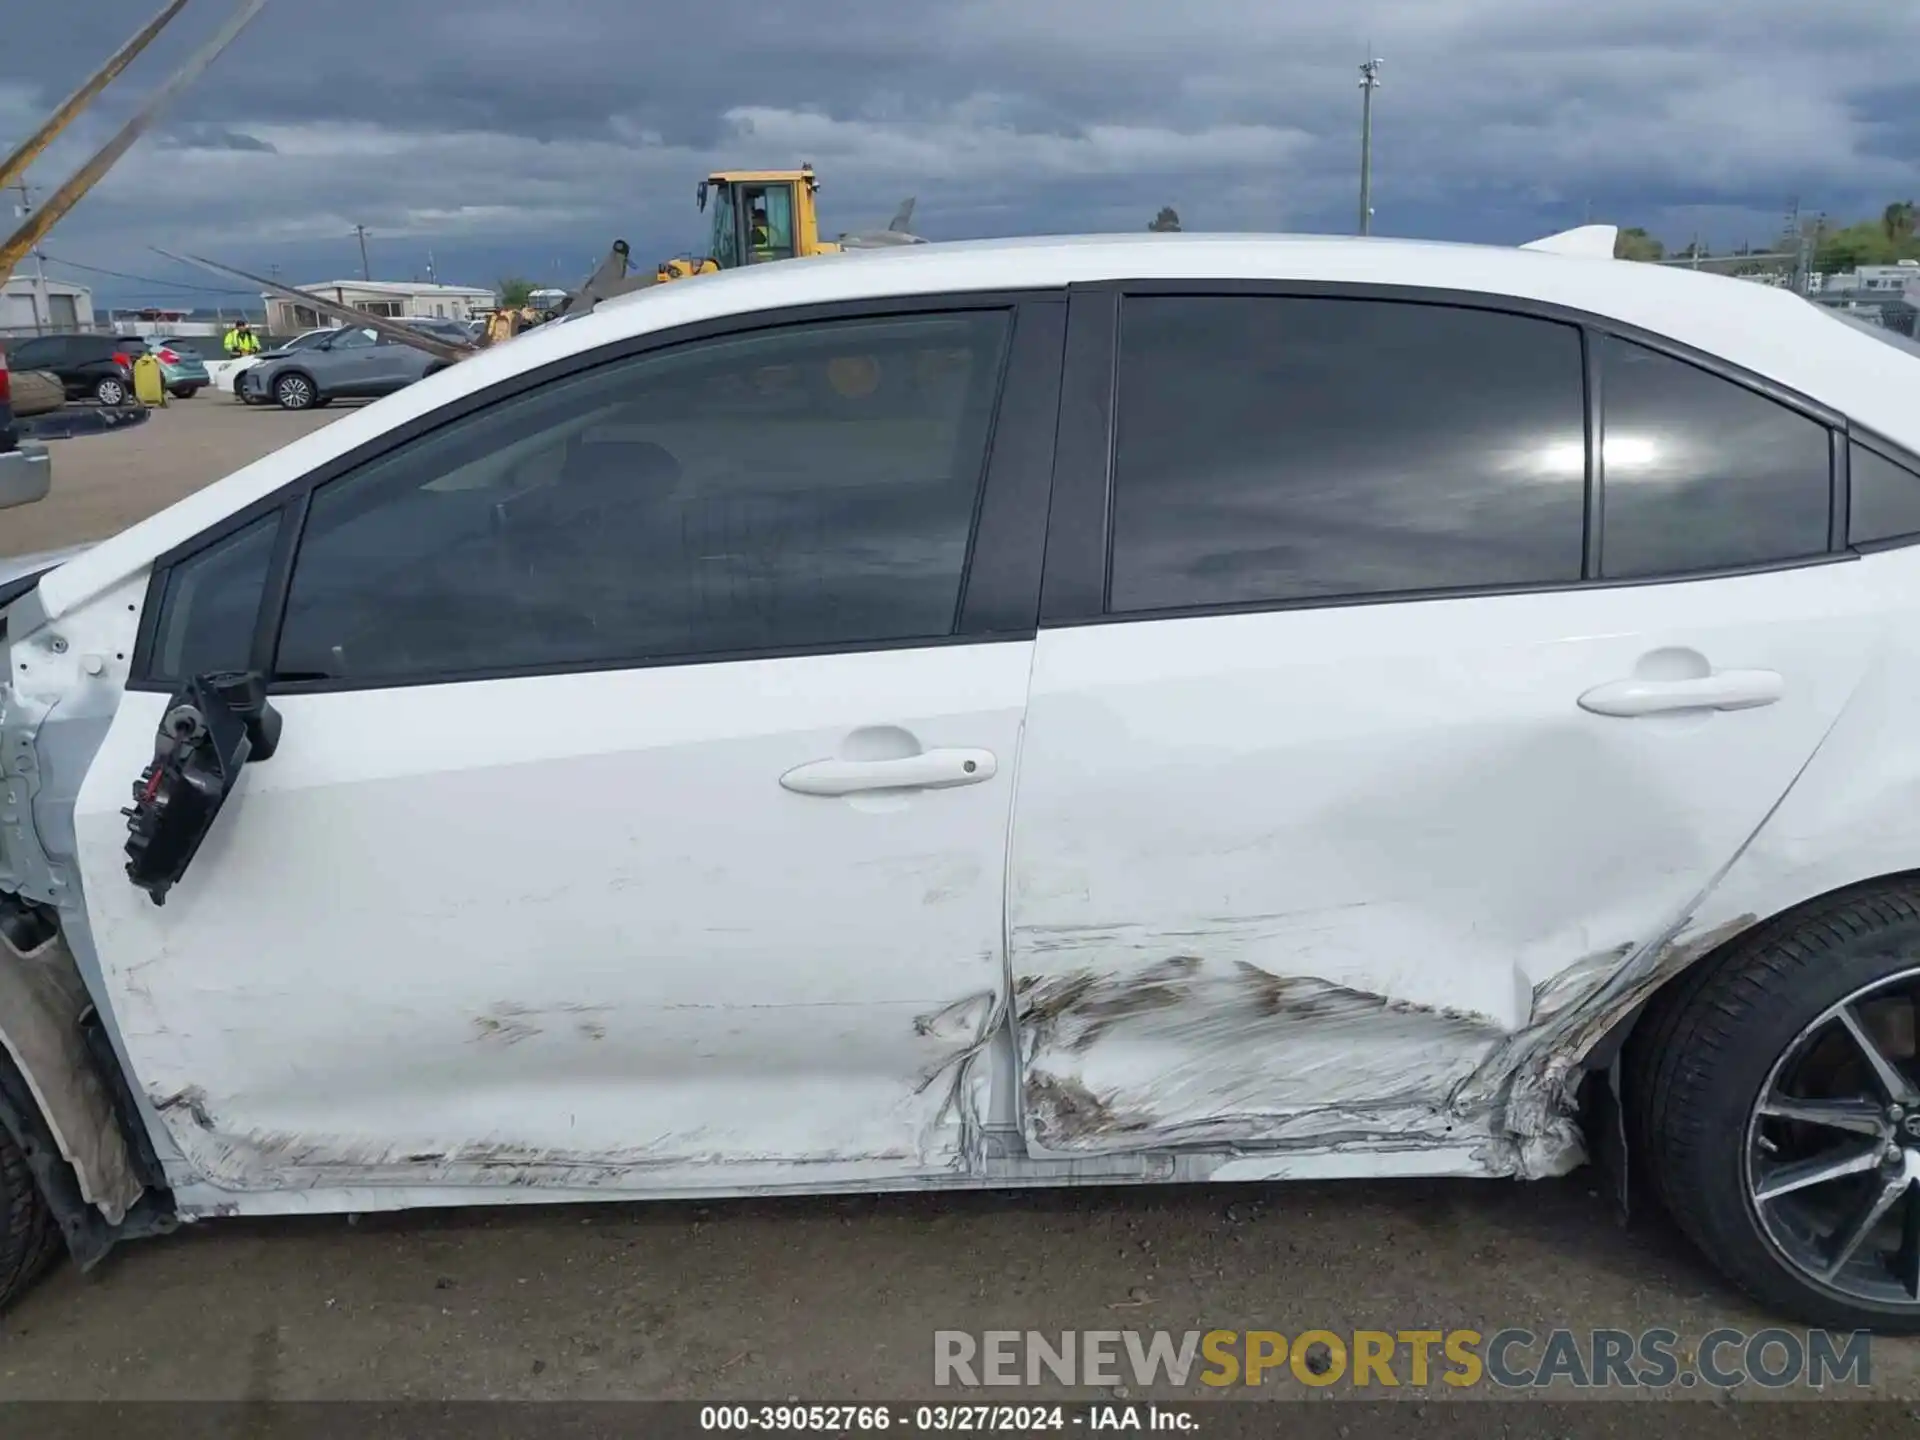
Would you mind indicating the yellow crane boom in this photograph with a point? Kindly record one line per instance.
(68, 195)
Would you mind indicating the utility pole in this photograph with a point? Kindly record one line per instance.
(430, 279)
(1798, 232)
(42, 305)
(1369, 82)
(366, 273)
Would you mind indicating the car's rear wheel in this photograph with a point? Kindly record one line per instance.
(110, 391)
(29, 1235)
(294, 391)
(185, 392)
(1777, 1101)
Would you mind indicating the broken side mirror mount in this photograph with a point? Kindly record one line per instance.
(213, 726)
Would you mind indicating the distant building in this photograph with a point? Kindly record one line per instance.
(392, 298)
(1887, 294)
(30, 305)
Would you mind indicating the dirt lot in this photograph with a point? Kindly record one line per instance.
(819, 1299)
(103, 483)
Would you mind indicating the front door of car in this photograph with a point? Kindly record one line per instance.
(1373, 761)
(639, 812)
(352, 363)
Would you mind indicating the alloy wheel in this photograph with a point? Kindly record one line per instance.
(111, 392)
(294, 392)
(1833, 1147)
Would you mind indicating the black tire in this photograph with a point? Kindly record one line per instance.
(294, 390)
(1711, 1046)
(184, 392)
(110, 390)
(29, 1237)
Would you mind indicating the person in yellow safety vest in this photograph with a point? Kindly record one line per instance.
(760, 234)
(241, 340)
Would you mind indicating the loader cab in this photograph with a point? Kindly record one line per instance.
(758, 216)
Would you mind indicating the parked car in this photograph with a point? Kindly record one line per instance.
(452, 330)
(1460, 696)
(182, 369)
(306, 339)
(96, 366)
(349, 363)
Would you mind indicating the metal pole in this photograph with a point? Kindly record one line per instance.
(1369, 82)
(37, 297)
(1798, 279)
(365, 273)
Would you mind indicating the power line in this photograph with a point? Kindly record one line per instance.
(145, 279)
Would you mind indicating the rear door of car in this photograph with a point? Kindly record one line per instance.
(1380, 709)
(640, 814)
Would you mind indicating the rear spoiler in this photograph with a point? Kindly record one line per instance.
(1594, 242)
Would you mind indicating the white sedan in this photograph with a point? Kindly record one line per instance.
(1164, 708)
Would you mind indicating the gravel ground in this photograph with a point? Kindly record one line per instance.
(103, 483)
(821, 1299)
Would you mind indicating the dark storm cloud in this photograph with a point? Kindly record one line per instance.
(212, 137)
(497, 128)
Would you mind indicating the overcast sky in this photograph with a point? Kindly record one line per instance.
(508, 136)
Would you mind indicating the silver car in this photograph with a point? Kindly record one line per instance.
(350, 363)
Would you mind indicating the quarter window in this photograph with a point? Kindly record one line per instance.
(1702, 473)
(807, 487)
(1278, 449)
(1883, 499)
(211, 604)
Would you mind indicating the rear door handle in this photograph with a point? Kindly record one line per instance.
(1722, 690)
(929, 770)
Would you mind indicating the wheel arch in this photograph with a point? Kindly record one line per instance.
(273, 382)
(1605, 1069)
(1742, 930)
(62, 1106)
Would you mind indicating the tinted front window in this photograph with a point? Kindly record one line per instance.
(29, 354)
(808, 486)
(1883, 499)
(211, 602)
(1281, 449)
(1702, 473)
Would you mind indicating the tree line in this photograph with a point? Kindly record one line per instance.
(1882, 241)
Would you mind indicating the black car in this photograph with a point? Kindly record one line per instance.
(99, 366)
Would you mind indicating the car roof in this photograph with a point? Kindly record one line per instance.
(1771, 332)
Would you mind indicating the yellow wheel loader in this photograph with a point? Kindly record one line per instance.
(762, 215)
(757, 215)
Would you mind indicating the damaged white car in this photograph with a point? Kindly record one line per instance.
(1065, 712)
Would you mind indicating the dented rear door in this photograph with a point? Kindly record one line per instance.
(654, 921)
(1295, 855)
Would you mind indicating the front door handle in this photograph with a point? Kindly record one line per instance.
(929, 770)
(1722, 690)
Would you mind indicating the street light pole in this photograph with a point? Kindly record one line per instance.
(1369, 82)
(365, 272)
